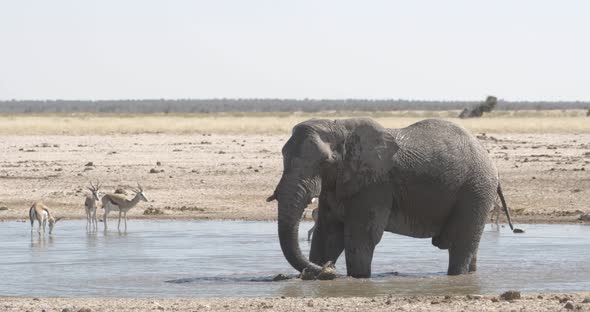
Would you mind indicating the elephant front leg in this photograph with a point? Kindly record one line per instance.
(366, 220)
(327, 241)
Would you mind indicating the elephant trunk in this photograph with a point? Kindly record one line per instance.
(293, 198)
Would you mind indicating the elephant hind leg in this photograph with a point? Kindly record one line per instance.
(473, 263)
(462, 260)
(463, 231)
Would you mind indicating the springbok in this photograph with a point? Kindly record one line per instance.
(90, 205)
(314, 216)
(496, 212)
(41, 213)
(119, 203)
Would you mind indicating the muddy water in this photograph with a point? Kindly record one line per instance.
(227, 258)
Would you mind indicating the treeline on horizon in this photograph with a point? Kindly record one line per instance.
(261, 105)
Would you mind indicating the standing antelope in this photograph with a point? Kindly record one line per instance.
(119, 203)
(90, 204)
(40, 212)
(495, 213)
(314, 217)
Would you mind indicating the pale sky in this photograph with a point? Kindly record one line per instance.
(415, 49)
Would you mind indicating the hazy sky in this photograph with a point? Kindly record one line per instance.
(116, 49)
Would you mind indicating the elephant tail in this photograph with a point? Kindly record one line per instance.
(504, 206)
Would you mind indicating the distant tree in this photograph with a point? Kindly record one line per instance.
(480, 108)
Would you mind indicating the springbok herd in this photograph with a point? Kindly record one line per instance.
(109, 202)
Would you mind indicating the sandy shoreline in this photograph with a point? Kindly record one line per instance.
(228, 177)
(527, 302)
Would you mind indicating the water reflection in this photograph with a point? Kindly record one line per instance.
(40, 242)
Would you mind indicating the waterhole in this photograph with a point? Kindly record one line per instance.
(240, 258)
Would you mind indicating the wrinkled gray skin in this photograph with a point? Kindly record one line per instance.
(431, 179)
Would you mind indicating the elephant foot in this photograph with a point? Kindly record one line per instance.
(328, 272)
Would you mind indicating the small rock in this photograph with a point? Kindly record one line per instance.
(494, 299)
(66, 310)
(474, 297)
(280, 277)
(85, 310)
(6, 208)
(518, 231)
(586, 300)
(158, 163)
(154, 170)
(36, 299)
(153, 211)
(569, 305)
(510, 295)
(585, 217)
(89, 164)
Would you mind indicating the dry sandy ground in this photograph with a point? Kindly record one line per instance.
(545, 177)
(577, 302)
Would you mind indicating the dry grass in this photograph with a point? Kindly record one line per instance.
(573, 121)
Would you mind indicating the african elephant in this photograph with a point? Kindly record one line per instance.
(432, 179)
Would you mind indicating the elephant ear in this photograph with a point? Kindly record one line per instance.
(367, 157)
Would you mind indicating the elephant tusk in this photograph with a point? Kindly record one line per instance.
(271, 198)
